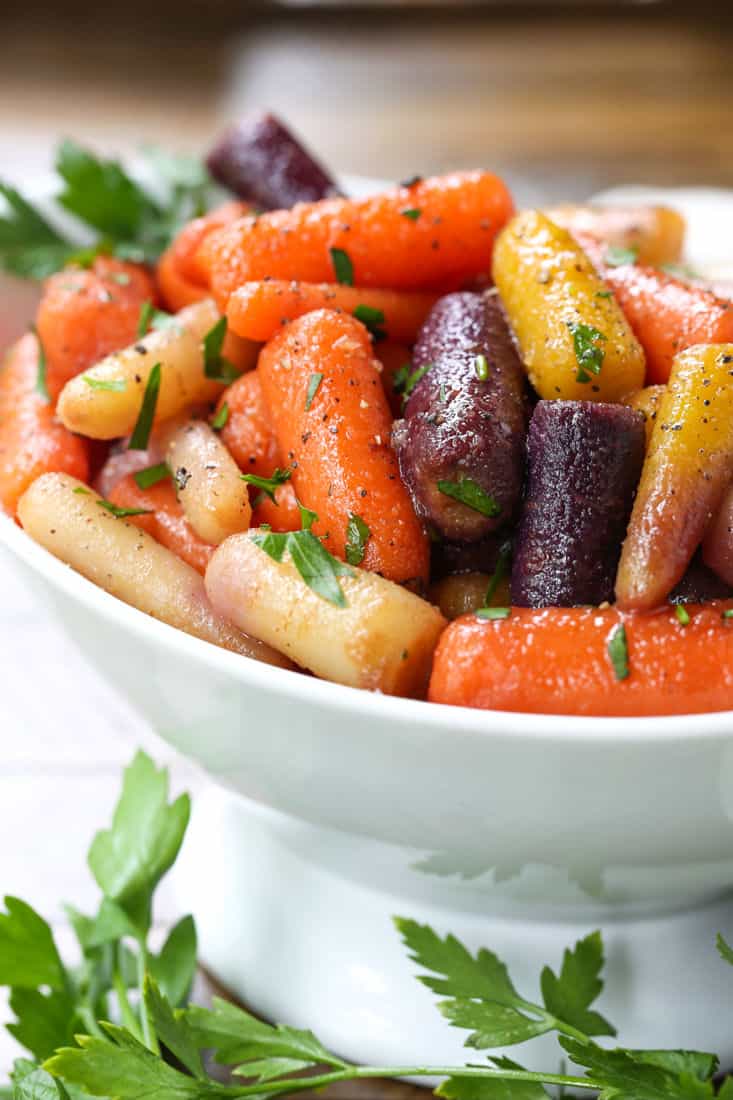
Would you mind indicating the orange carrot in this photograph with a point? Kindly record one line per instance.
(394, 358)
(86, 314)
(248, 432)
(668, 315)
(282, 514)
(32, 442)
(165, 521)
(433, 235)
(179, 279)
(332, 423)
(257, 310)
(556, 661)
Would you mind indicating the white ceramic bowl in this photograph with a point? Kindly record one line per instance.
(519, 831)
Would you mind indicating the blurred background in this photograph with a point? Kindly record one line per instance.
(562, 99)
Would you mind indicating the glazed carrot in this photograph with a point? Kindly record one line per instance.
(557, 661)
(435, 234)
(257, 310)
(646, 401)
(166, 522)
(686, 471)
(395, 358)
(86, 314)
(248, 432)
(179, 279)
(282, 514)
(668, 315)
(332, 423)
(32, 442)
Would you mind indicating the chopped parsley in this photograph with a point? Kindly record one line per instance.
(412, 212)
(219, 420)
(343, 268)
(157, 319)
(493, 612)
(41, 386)
(123, 513)
(151, 475)
(500, 571)
(470, 493)
(616, 256)
(372, 318)
(481, 366)
(314, 383)
(216, 366)
(405, 379)
(588, 354)
(81, 491)
(141, 432)
(727, 614)
(319, 569)
(114, 385)
(618, 652)
(603, 294)
(357, 535)
(268, 485)
(683, 615)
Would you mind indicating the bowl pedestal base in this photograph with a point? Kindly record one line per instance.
(295, 920)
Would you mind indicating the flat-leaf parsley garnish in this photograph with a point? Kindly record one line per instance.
(319, 569)
(151, 475)
(216, 366)
(343, 268)
(113, 385)
(405, 379)
(470, 493)
(493, 612)
(141, 432)
(357, 536)
(123, 513)
(268, 485)
(588, 353)
(618, 652)
(372, 318)
(314, 383)
(617, 256)
(219, 420)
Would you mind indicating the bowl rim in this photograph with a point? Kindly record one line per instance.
(578, 729)
(306, 690)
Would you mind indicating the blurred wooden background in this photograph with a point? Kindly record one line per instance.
(563, 101)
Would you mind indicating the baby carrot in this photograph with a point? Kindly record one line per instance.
(588, 661)
(179, 279)
(164, 520)
(87, 313)
(257, 310)
(248, 431)
(433, 234)
(668, 315)
(281, 514)
(685, 474)
(32, 442)
(332, 422)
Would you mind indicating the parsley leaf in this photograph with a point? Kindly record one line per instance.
(405, 379)
(493, 612)
(482, 994)
(215, 365)
(236, 1036)
(268, 485)
(618, 652)
(151, 475)
(616, 256)
(28, 953)
(470, 493)
(219, 420)
(568, 995)
(319, 569)
(724, 949)
(31, 1082)
(30, 247)
(141, 432)
(129, 859)
(481, 366)
(113, 385)
(123, 513)
(412, 212)
(683, 615)
(157, 319)
(314, 383)
(372, 318)
(471, 1088)
(357, 536)
(44, 1021)
(626, 1074)
(100, 193)
(501, 570)
(174, 968)
(173, 1032)
(588, 354)
(342, 267)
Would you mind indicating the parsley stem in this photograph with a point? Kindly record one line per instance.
(149, 1037)
(127, 1015)
(352, 1073)
(86, 1015)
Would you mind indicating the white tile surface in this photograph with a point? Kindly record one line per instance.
(64, 739)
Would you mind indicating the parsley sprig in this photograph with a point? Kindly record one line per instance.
(63, 1014)
(116, 214)
(319, 569)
